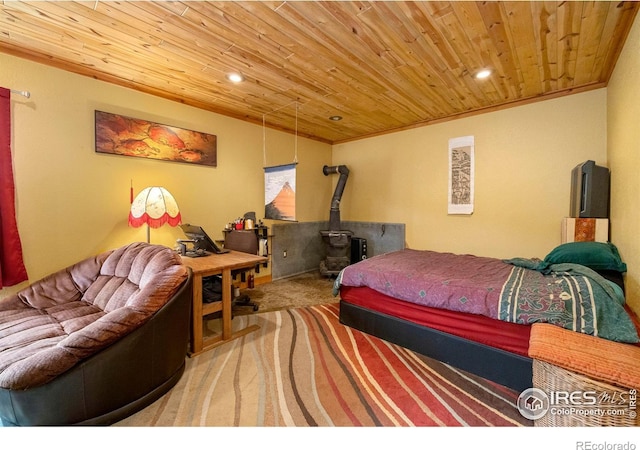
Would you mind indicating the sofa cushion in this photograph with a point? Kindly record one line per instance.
(50, 326)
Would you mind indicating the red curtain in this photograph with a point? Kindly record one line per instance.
(12, 269)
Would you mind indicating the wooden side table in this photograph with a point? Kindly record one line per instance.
(216, 264)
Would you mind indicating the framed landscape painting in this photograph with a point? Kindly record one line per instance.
(120, 135)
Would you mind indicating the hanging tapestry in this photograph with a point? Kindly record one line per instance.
(280, 192)
(461, 175)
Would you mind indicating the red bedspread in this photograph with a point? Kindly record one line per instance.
(506, 336)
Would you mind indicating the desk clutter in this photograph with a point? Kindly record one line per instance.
(212, 292)
(247, 224)
(246, 237)
(196, 253)
(212, 289)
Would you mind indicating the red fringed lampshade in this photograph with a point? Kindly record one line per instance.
(154, 206)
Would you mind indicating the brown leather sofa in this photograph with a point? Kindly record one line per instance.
(97, 341)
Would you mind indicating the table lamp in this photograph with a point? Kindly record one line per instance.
(154, 206)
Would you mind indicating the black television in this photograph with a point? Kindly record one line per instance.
(589, 191)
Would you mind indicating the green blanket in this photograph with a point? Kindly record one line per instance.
(576, 298)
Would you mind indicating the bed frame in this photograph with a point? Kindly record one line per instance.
(502, 367)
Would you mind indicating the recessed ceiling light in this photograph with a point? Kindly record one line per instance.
(235, 77)
(483, 74)
(335, 118)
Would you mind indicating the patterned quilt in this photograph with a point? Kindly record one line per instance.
(567, 295)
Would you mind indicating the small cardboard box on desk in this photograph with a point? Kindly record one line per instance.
(585, 230)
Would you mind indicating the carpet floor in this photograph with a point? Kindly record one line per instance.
(302, 368)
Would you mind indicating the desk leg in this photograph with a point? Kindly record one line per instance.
(226, 304)
(197, 338)
(198, 342)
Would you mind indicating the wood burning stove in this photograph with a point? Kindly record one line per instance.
(337, 241)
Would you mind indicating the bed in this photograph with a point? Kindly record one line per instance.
(475, 313)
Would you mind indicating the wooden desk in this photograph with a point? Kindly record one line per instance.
(215, 264)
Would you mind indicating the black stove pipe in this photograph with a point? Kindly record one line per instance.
(334, 214)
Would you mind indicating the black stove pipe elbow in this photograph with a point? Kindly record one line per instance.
(334, 214)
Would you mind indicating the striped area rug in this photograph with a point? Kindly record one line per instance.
(302, 368)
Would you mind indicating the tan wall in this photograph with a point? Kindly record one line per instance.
(523, 160)
(73, 202)
(623, 126)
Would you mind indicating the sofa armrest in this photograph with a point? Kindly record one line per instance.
(612, 362)
(64, 286)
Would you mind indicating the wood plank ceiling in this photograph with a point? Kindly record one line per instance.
(381, 66)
